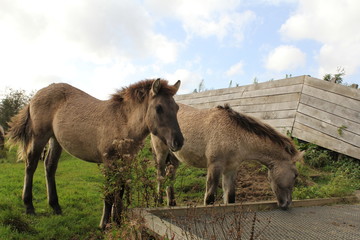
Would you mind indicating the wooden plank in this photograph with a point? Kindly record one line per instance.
(332, 98)
(162, 227)
(273, 114)
(333, 87)
(285, 122)
(247, 101)
(328, 129)
(267, 107)
(308, 134)
(287, 97)
(284, 130)
(335, 120)
(265, 85)
(329, 107)
(211, 210)
(242, 94)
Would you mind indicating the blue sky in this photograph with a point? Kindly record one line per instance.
(100, 46)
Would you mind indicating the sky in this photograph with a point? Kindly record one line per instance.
(101, 46)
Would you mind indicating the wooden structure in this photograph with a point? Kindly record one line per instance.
(311, 109)
(226, 221)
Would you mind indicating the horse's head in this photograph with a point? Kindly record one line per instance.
(282, 179)
(161, 116)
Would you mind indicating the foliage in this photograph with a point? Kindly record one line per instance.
(11, 104)
(337, 77)
(340, 130)
(201, 87)
(325, 174)
(314, 156)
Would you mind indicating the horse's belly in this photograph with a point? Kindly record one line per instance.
(191, 158)
(79, 146)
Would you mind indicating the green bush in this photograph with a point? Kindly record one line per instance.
(316, 156)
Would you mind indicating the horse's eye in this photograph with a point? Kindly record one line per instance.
(159, 109)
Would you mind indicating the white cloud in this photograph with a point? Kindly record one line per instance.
(206, 18)
(332, 23)
(189, 80)
(285, 58)
(235, 69)
(44, 41)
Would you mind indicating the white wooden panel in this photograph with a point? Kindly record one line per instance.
(335, 120)
(329, 107)
(311, 135)
(328, 129)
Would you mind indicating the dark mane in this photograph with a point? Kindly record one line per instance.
(138, 91)
(264, 130)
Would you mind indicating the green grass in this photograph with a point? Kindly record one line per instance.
(79, 190)
(80, 186)
(326, 174)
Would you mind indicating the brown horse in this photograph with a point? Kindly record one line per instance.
(84, 126)
(220, 139)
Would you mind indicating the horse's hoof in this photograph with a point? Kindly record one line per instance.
(172, 203)
(30, 211)
(58, 211)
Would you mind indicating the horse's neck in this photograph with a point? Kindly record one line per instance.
(269, 156)
(136, 124)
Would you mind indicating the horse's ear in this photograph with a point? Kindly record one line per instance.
(155, 88)
(177, 85)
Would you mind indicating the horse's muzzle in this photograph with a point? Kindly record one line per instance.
(284, 205)
(176, 144)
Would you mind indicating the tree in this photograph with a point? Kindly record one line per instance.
(11, 104)
(337, 77)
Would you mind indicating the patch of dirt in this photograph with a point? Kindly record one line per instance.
(252, 184)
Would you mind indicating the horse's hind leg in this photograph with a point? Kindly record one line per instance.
(33, 155)
(228, 184)
(212, 182)
(51, 163)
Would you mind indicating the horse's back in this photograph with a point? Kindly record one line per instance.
(194, 126)
(70, 115)
(207, 132)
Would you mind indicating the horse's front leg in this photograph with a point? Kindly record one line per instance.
(172, 165)
(228, 185)
(212, 182)
(108, 203)
(160, 151)
(118, 205)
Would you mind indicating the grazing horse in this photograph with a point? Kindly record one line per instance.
(84, 126)
(220, 139)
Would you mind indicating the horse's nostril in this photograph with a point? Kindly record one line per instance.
(176, 144)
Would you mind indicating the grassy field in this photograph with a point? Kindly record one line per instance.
(79, 189)
(80, 186)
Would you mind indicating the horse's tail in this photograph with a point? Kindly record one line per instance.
(20, 131)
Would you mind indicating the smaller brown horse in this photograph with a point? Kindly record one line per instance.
(86, 128)
(221, 139)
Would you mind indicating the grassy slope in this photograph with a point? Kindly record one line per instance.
(79, 190)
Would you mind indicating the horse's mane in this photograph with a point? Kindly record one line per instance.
(261, 129)
(138, 91)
